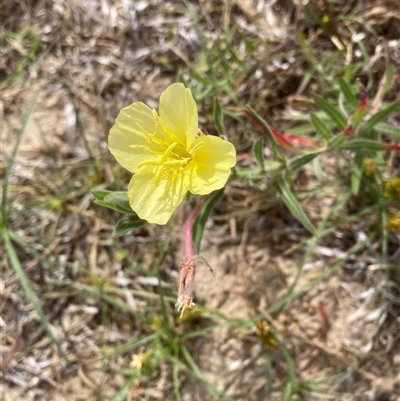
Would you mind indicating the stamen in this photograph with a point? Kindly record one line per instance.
(163, 128)
(147, 149)
(152, 137)
(196, 148)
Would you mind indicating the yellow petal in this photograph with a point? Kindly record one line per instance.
(152, 203)
(212, 164)
(129, 129)
(179, 112)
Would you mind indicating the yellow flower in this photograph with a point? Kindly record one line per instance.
(168, 154)
(392, 188)
(393, 222)
(264, 333)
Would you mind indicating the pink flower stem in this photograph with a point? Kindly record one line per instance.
(188, 269)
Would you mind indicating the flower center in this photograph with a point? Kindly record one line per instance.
(171, 163)
(167, 155)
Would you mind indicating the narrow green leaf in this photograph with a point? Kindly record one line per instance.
(20, 134)
(288, 391)
(347, 93)
(360, 144)
(258, 153)
(318, 171)
(217, 394)
(123, 391)
(31, 296)
(303, 129)
(219, 118)
(356, 173)
(394, 132)
(126, 224)
(336, 142)
(299, 161)
(293, 205)
(331, 111)
(320, 127)
(265, 129)
(199, 224)
(380, 115)
(389, 78)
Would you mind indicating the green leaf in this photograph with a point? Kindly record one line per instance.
(115, 200)
(293, 205)
(199, 224)
(388, 129)
(389, 78)
(258, 153)
(336, 142)
(100, 194)
(4, 203)
(331, 111)
(299, 161)
(347, 93)
(356, 173)
(303, 129)
(380, 115)
(269, 135)
(120, 199)
(288, 391)
(126, 224)
(318, 171)
(219, 118)
(320, 127)
(360, 144)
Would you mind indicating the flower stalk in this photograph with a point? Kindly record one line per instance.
(187, 271)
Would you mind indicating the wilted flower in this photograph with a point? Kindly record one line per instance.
(168, 154)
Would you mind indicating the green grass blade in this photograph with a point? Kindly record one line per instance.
(175, 378)
(13, 156)
(220, 395)
(123, 391)
(129, 346)
(19, 271)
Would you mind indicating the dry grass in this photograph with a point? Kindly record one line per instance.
(110, 302)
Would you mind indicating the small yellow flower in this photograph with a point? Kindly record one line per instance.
(139, 360)
(168, 154)
(369, 167)
(393, 222)
(392, 188)
(264, 333)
